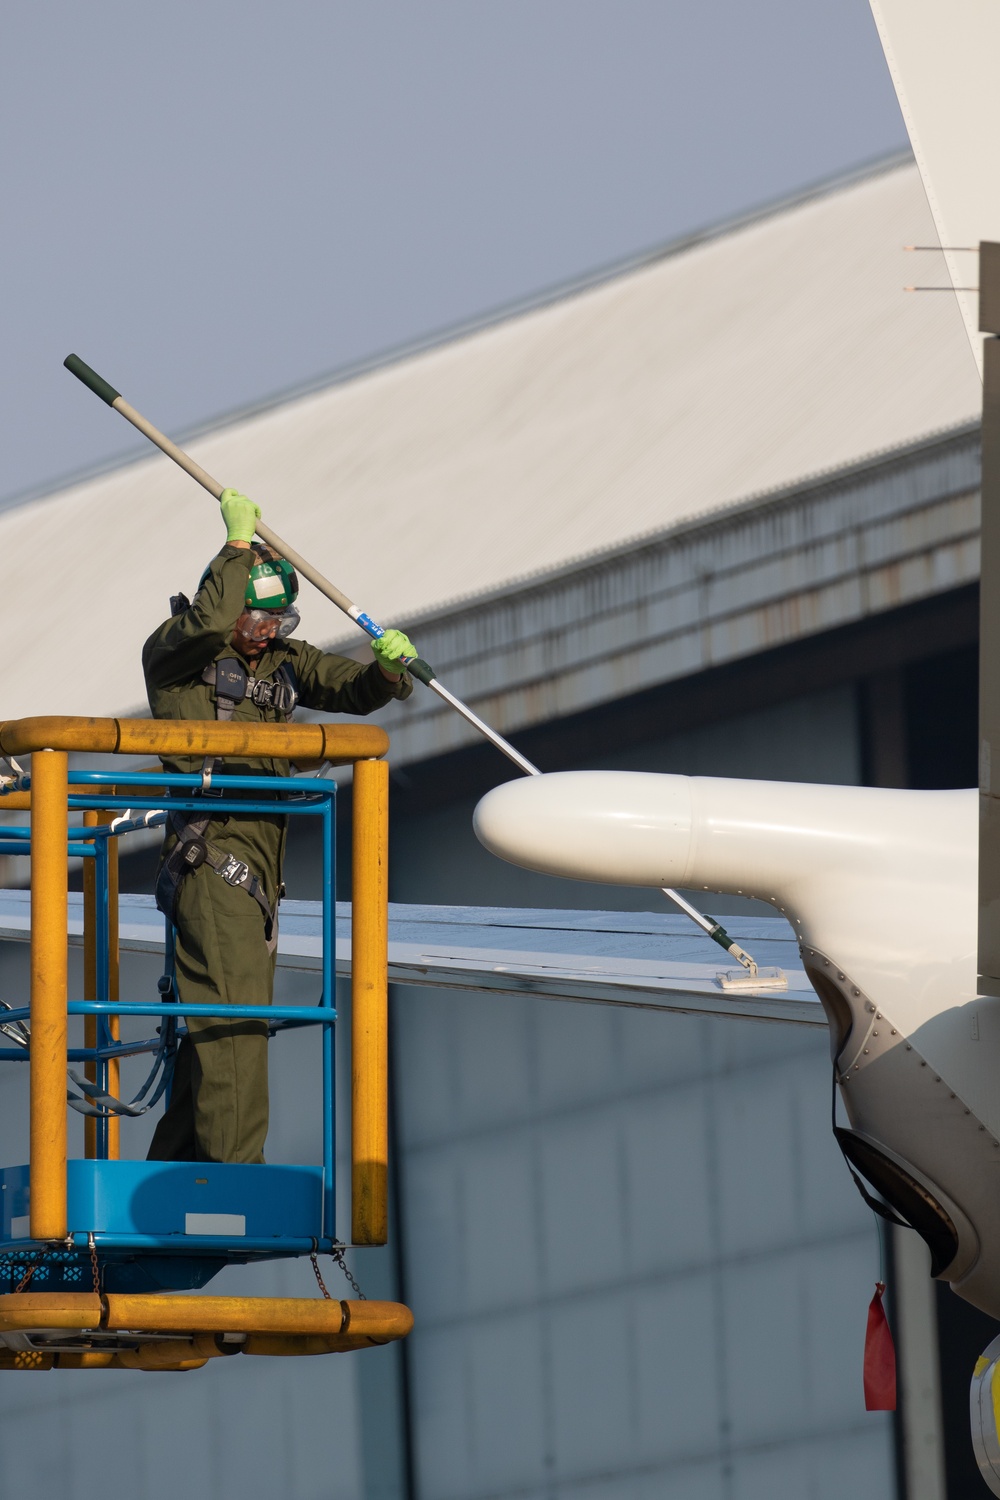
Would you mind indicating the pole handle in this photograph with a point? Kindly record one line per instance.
(421, 670)
(91, 379)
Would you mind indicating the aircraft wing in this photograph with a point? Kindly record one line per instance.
(639, 959)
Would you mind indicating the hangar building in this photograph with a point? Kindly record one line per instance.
(712, 511)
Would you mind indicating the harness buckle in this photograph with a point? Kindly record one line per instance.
(272, 693)
(235, 871)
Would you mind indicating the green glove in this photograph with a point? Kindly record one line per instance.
(390, 648)
(240, 515)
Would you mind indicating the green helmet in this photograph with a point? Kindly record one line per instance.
(273, 583)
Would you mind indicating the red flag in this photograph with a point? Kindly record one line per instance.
(880, 1357)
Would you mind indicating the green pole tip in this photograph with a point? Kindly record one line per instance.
(421, 670)
(76, 366)
(719, 934)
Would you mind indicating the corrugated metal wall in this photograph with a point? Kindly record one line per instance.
(638, 1265)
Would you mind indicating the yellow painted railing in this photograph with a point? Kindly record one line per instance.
(340, 744)
(369, 1011)
(48, 741)
(49, 976)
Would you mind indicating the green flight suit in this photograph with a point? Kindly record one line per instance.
(218, 1107)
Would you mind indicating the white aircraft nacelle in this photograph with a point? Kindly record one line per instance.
(881, 888)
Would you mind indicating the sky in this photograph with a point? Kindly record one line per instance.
(213, 201)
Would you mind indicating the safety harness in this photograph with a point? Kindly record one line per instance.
(232, 684)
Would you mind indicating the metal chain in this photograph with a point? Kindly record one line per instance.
(319, 1277)
(41, 1254)
(92, 1246)
(338, 1257)
(39, 1257)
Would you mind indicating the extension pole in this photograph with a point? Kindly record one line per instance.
(416, 666)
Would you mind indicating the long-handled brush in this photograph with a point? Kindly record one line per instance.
(416, 666)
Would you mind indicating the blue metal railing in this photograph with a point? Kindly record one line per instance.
(283, 796)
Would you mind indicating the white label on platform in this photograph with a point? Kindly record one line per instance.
(215, 1224)
(20, 1228)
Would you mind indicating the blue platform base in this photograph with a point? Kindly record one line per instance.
(160, 1225)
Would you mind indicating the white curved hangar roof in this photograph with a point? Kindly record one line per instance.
(712, 372)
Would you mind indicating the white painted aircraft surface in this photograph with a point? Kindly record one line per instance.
(942, 58)
(881, 888)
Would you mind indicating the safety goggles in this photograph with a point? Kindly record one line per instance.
(268, 624)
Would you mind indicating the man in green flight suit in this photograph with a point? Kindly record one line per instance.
(229, 655)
